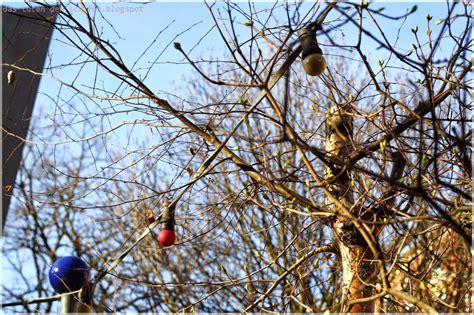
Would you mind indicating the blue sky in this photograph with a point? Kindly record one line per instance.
(138, 24)
(138, 28)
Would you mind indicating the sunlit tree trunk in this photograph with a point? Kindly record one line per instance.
(354, 253)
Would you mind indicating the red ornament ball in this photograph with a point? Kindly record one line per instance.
(166, 237)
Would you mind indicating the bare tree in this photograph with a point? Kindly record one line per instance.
(347, 192)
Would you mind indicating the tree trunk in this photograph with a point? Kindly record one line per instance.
(356, 258)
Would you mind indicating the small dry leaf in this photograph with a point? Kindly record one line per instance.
(150, 218)
(190, 170)
(10, 77)
(7, 188)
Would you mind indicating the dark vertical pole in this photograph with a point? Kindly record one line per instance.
(26, 34)
(68, 304)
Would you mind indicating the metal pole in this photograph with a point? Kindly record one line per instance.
(68, 303)
(26, 35)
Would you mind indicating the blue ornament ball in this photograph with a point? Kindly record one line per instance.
(68, 274)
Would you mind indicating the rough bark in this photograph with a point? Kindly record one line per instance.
(356, 258)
